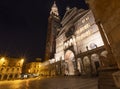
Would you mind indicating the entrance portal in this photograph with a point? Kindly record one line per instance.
(71, 65)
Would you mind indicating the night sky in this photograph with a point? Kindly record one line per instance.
(23, 26)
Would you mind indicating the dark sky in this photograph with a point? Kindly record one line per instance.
(23, 26)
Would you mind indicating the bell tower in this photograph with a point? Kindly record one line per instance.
(54, 9)
(53, 25)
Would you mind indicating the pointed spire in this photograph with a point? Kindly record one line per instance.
(54, 9)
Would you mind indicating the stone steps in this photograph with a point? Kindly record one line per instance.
(105, 80)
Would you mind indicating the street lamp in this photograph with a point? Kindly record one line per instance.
(2, 59)
(22, 60)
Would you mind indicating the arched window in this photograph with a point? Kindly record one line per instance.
(2, 69)
(12, 69)
(17, 69)
(7, 70)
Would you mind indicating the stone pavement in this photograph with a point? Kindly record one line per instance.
(51, 83)
(72, 83)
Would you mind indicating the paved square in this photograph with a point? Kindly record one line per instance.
(51, 83)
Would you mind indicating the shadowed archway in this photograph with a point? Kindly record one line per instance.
(70, 63)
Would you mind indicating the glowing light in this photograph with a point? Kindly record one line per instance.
(2, 59)
(29, 70)
(39, 65)
(22, 60)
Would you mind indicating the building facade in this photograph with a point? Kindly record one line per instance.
(53, 24)
(35, 69)
(79, 45)
(32, 69)
(10, 68)
(48, 69)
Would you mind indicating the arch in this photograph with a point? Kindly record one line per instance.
(10, 76)
(13, 69)
(95, 57)
(86, 62)
(7, 69)
(2, 69)
(5, 77)
(70, 60)
(95, 63)
(0, 76)
(69, 55)
(103, 58)
(18, 69)
(104, 53)
(16, 76)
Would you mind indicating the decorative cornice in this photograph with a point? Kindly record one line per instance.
(79, 14)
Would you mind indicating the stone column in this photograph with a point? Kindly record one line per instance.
(75, 46)
(76, 52)
(2, 76)
(8, 76)
(13, 77)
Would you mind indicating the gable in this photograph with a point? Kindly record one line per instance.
(67, 13)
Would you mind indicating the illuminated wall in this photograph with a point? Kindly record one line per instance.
(60, 48)
(32, 68)
(79, 33)
(10, 68)
(87, 33)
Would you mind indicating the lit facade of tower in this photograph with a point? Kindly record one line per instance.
(53, 25)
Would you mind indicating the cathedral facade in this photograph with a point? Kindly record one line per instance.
(79, 44)
(75, 44)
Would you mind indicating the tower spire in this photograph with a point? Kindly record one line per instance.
(54, 9)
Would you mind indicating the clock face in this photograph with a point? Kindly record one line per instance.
(93, 45)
